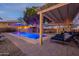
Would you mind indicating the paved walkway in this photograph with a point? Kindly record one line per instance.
(48, 49)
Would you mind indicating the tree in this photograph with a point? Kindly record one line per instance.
(31, 11)
(30, 15)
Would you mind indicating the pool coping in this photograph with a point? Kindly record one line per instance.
(29, 40)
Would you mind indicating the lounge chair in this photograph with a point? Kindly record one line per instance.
(61, 38)
(66, 36)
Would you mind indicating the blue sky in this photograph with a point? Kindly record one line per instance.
(14, 10)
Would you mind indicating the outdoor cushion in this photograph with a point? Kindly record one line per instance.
(59, 37)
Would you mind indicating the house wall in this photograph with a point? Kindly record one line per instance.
(5, 24)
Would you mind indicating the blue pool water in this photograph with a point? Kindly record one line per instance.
(29, 35)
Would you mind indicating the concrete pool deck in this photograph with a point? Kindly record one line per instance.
(48, 48)
(26, 39)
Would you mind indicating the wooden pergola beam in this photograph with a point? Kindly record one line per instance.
(53, 16)
(60, 14)
(48, 17)
(52, 8)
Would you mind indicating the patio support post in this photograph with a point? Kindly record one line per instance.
(41, 29)
(57, 29)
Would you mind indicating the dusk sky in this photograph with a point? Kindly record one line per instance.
(14, 10)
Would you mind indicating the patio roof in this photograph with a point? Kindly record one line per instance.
(63, 13)
(45, 6)
(59, 13)
(54, 6)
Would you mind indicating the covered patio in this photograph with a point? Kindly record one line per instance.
(61, 14)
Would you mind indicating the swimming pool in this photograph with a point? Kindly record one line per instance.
(29, 35)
